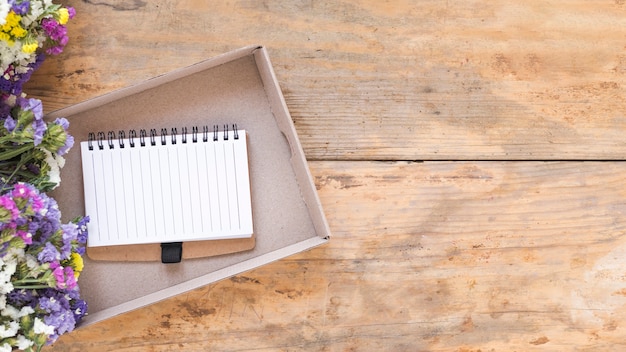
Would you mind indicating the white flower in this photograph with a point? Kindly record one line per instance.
(36, 10)
(26, 310)
(23, 343)
(31, 261)
(9, 331)
(15, 252)
(60, 161)
(6, 287)
(3, 301)
(5, 347)
(54, 175)
(7, 269)
(41, 328)
(10, 311)
(4, 11)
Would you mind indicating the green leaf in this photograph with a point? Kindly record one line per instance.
(11, 153)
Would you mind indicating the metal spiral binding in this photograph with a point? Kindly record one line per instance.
(132, 134)
(110, 136)
(100, 140)
(183, 135)
(142, 137)
(153, 134)
(121, 135)
(90, 139)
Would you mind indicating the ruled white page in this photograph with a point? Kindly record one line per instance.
(171, 192)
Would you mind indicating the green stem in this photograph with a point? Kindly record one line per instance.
(31, 287)
(11, 153)
(23, 283)
(20, 163)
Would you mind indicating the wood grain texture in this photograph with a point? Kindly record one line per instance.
(437, 256)
(373, 80)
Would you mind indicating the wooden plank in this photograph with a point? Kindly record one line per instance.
(437, 256)
(372, 80)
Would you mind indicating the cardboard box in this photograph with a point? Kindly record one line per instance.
(238, 87)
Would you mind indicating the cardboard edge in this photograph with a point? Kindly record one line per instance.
(153, 82)
(288, 129)
(202, 281)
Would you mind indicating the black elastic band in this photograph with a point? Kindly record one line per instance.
(171, 252)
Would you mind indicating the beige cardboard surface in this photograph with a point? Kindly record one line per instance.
(238, 87)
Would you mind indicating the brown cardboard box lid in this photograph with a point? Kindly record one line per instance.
(236, 87)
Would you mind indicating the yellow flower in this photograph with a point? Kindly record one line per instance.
(29, 48)
(18, 32)
(12, 20)
(7, 38)
(76, 262)
(64, 15)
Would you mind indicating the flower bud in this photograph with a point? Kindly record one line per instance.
(55, 138)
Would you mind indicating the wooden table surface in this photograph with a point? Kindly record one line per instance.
(468, 155)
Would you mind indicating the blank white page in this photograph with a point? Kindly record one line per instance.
(156, 188)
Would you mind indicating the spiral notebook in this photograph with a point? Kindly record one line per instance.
(158, 187)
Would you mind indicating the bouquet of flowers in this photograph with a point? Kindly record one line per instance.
(31, 150)
(40, 257)
(40, 261)
(29, 29)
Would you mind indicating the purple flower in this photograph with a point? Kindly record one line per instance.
(70, 233)
(11, 82)
(49, 25)
(63, 321)
(54, 50)
(20, 8)
(61, 312)
(9, 124)
(21, 298)
(69, 143)
(70, 279)
(71, 11)
(33, 226)
(37, 204)
(39, 125)
(62, 121)
(59, 275)
(50, 222)
(49, 254)
(32, 104)
(59, 34)
(50, 304)
(69, 139)
(23, 190)
(79, 308)
(27, 237)
(40, 129)
(8, 203)
(82, 230)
